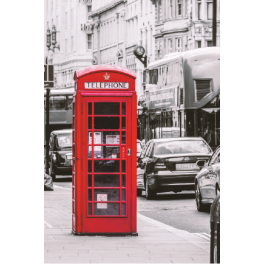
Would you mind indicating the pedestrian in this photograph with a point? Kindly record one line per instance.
(207, 134)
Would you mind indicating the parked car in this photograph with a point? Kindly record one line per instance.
(60, 154)
(207, 181)
(169, 164)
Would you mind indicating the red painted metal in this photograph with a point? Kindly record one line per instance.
(89, 216)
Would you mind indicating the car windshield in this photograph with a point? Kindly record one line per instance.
(181, 147)
(139, 147)
(64, 140)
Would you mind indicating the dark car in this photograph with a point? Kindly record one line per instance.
(207, 182)
(169, 164)
(60, 153)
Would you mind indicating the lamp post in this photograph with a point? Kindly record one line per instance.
(139, 113)
(48, 44)
(214, 22)
(51, 39)
(47, 130)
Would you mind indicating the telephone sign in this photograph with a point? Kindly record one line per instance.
(104, 158)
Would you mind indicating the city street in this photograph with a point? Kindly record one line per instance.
(176, 210)
(159, 240)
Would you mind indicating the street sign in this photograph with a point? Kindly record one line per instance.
(48, 76)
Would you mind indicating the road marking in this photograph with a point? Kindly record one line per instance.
(203, 235)
(182, 233)
(47, 224)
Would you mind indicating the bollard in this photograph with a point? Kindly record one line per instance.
(215, 231)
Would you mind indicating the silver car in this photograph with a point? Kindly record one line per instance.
(207, 181)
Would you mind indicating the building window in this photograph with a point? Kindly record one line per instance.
(179, 8)
(66, 20)
(209, 43)
(71, 17)
(66, 51)
(89, 10)
(199, 5)
(170, 45)
(150, 43)
(164, 46)
(209, 10)
(89, 41)
(158, 10)
(181, 96)
(178, 44)
(170, 9)
(158, 54)
(198, 44)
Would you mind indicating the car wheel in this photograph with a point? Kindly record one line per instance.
(199, 205)
(139, 192)
(53, 176)
(149, 193)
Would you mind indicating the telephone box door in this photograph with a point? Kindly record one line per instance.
(107, 169)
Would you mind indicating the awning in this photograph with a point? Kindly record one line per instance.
(211, 110)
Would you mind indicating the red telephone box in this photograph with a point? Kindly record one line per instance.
(104, 151)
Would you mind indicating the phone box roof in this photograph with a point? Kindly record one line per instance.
(103, 68)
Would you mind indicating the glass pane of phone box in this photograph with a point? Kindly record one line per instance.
(104, 152)
(107, 209)
(106, 180)
(105, 137)
(106, 165)
(107, 195)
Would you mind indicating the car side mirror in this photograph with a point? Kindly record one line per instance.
(201, 163)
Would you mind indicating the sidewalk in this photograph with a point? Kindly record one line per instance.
(156, 242)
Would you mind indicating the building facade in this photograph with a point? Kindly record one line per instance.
(118, 27)
(146, 32)
(73, 49)
(182, 25)
(200, 24)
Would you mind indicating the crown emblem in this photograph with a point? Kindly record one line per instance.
(106, 76)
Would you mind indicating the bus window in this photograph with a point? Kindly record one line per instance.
(57, 103)
(69, 102)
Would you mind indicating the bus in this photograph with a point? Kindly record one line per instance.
(60, 110)
(182, 96)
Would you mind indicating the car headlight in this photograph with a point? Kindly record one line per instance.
(210, 176)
